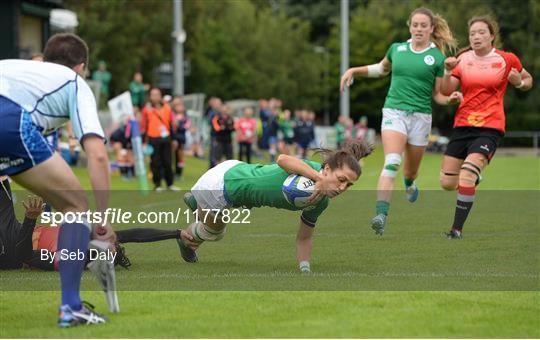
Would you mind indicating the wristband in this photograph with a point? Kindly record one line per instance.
(447, 72)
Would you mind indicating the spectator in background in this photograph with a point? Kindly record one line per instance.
(264, 115)
(350, 129)
(194, 141)
(121, 143)
(361, 128)
(138, 90)
(272, 131)
(286, 126)
(340, 130)
(246, 127)
(223, 127)
(157, 125)
(275, 104)
(214, 107)
(303, 133)
(104, 78)
(179, 135)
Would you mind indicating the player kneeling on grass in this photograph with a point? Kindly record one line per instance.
(238, 184)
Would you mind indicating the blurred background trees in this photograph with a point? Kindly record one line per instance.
(265, 48)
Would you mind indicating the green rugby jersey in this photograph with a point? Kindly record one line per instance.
(287, 128)
(413, 77)
(256, 185)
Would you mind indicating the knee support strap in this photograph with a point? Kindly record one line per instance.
(392, 161)
(472, 168)
(449, 173)
(203, 233)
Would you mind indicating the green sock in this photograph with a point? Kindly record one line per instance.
(408, 182)
(382, 207)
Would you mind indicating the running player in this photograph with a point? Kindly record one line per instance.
(35, 99)
(417, 69)
(238, 184)
(483, 72)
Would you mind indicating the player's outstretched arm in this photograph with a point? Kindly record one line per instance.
(297, 166)
(371, 71)
(303, 246)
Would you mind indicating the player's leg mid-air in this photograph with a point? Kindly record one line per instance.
(463, 175)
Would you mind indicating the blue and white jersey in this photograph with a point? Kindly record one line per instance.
(52, 94)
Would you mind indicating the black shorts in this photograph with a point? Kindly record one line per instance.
(180, 138)
(466, 140)
(118, 136)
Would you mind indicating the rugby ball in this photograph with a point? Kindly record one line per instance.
(297, 190)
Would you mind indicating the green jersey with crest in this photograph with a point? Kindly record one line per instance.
(413, 77)
(256, 185)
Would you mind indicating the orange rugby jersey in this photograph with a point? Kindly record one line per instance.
(483, 84)
(45, 238)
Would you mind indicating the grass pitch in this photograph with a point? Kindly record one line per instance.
(410, 283)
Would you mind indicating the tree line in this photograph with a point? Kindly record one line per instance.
(271, 48)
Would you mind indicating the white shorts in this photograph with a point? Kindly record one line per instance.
(209, 189)
(416, 126)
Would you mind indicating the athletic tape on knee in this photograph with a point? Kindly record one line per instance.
(392, 161)
(474, 166)
(471, 168)
(203, 233)
(473, 171)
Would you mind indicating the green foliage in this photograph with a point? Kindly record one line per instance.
(237, 50)
(128, 35)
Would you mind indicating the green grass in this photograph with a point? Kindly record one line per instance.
(409, 283)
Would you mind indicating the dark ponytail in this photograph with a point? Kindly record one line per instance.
(349, 154)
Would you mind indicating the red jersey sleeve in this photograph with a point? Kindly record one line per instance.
(514, 61)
